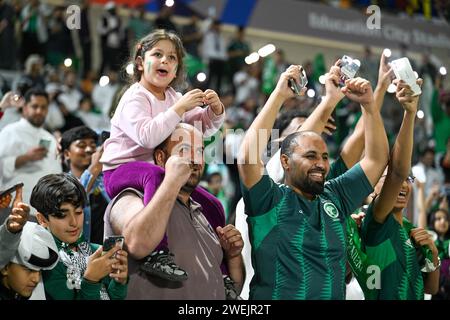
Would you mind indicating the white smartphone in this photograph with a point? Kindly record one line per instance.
(403, 71)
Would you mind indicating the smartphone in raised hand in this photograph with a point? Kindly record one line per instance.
(349, 68)
(403, 71)
(303, 82)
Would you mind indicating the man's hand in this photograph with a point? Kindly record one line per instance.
(11, 100)
(212, 99)
(384, 73)
(330, 127)
(423, 238)
(358, 218)
(178, 170)
(404, 95)
(19, 215)
(359, 90)
(36, 154)
(332, 90)
(230, 240)
(283, 89)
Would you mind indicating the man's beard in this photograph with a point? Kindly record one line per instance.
(310, 186)
(36, 122)
(191, 184)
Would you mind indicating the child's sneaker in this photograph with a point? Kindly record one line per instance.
(230, 290)
(161, 264)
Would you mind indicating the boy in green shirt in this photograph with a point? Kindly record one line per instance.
(82, 273)
(390, 240)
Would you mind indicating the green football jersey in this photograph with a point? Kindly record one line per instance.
(389, 247)
(298, 245)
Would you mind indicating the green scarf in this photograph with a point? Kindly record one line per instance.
(358, 260)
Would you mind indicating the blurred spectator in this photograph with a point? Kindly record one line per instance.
(34, 29)
(440, 112)
(238, 49)
(272, 68)
(426, 172)
(214, 52)
(103, 96)
(33, 75)
(110, 30)
(163, 20)
(242, 115)
(427, 67)
(192, 36)
(246, 83)
(59, 45)
(10, 104)
(91, 117)
(88, 82)
(27, 150)
(215, 187)
(70, 95)
(369, 66)
(81, 159)
(444, 162)
(7, 37)
(84, 34)
(55, 117)
(439, 223)
(138, 26)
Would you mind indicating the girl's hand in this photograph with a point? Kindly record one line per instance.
(189, 101)
(212, 99)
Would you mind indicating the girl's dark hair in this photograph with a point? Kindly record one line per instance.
(53, 190)
(147, 43)
(432, 219)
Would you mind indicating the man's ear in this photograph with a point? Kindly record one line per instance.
(160, 157)
(284, 162)
(42, 220)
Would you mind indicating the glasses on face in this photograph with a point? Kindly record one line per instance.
(411, 179)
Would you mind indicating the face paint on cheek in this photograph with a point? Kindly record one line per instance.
(149, 66)
(175, 69)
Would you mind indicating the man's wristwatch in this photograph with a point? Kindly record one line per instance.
(429, 265)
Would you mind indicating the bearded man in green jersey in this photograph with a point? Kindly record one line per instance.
(297, 230)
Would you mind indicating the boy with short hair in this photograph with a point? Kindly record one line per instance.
(83, 272)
